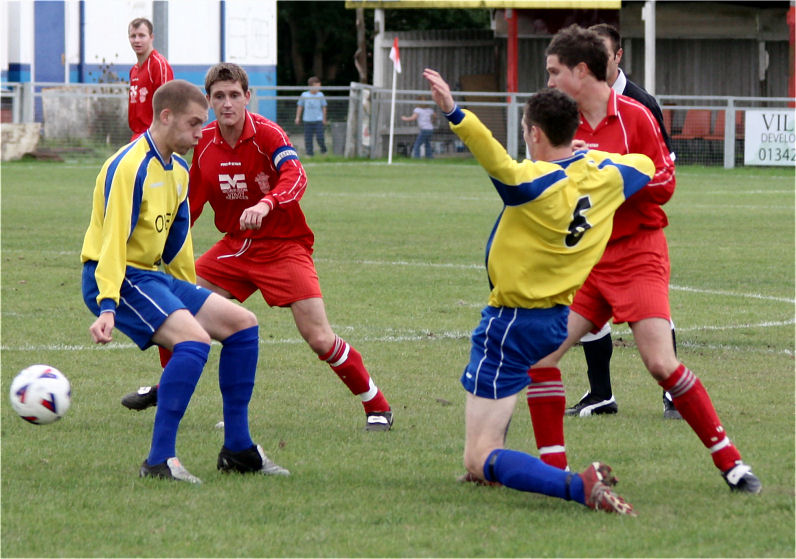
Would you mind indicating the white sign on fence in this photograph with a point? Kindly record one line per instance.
(770, 137)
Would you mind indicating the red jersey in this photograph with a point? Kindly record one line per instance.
(629, 127)
(144, 81)
(262, 167)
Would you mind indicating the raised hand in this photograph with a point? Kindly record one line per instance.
(440, 90)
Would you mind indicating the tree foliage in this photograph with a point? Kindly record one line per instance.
(320, 39)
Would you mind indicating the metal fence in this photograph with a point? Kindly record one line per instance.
(91, 119)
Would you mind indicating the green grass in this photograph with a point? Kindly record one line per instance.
(399, 250)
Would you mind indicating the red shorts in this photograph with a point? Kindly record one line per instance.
(282, 270)
(630, 283)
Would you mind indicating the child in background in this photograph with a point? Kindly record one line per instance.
(313, 104)
(425, 121)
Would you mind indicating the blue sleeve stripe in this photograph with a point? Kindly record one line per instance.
(138, 190)
(489, 247)
(285, 153)
(138, 187)
(181, 161)
(634, 180)
(178, 232)
(515, 195)
(109, 174)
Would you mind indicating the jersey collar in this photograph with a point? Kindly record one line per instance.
(149, 56)
(612, 102)
(246, 133)
(611, 112)
(567, 160)
(621, 82)
(154, 148)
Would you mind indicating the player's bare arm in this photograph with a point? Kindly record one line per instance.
(252, 218)
(102, 328)
(440, 91)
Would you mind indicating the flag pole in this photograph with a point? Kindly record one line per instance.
(392, 114)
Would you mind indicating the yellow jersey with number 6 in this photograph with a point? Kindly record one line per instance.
(556, 220)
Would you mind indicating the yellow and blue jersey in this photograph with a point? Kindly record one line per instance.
(557, 216)
(140, 218)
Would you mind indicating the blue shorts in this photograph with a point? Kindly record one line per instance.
(147, 299)
(506, 343)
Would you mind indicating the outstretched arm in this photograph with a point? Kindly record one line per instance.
(440, 90)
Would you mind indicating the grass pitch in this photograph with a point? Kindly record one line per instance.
(399, 250)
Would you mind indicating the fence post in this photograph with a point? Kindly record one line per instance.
(27, 102)
(729, 134)
(254, 103)
(511, 125)
(16, 105)
(375, 119)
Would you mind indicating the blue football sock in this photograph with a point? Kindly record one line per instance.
(236, 369)
(176, 388)
(524, 472)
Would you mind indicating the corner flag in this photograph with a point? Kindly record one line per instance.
(395, 55)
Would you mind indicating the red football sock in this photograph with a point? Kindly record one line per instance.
(692, 401)
(547, 402)
(347, 363)
(165, 355)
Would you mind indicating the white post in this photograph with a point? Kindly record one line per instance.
(392, 114)
(378, 50)
(648, 15)
(511, 126)
(729, 134)
(67, 29)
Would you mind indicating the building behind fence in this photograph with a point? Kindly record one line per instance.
(722, 75)
(91, 120)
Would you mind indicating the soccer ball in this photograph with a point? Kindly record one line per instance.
(41, 394)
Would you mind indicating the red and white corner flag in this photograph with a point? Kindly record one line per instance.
(395, 55)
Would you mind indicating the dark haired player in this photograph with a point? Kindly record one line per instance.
(598, 347)
(553, 228)
(630, 283)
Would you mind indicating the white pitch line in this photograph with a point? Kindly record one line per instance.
(406, 263)
(448, 265)
(731, 294)
(400, 195)
(735, 192)
(768, 324)
(723, 347)
(409, 336)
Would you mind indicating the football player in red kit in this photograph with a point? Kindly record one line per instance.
(146, 76)
(631, 281)
(246, 169)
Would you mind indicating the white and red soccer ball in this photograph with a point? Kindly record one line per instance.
(41, 394)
